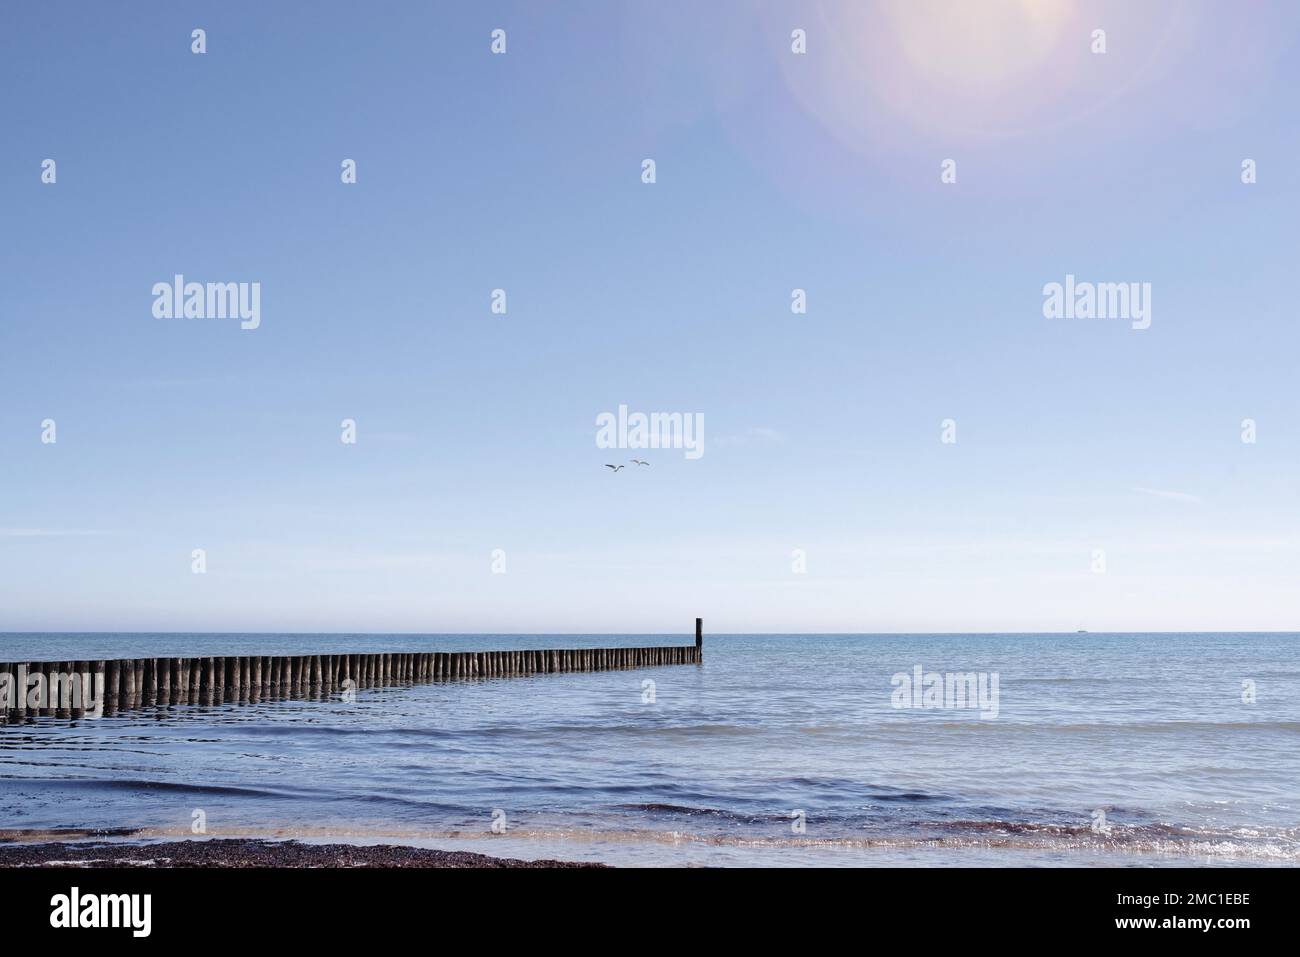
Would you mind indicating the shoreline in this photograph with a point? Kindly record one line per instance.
(252, 853)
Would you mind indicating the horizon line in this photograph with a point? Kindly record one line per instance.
(436, 634)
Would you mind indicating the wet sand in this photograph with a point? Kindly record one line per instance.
(247, 853)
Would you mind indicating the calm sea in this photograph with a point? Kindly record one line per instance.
(1135, 749)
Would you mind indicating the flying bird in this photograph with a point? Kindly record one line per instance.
(639, 462)
(614, 467)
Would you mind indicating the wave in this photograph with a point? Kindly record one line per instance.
(1157, 726)
(988, 836)
(144, 784)
(43, 834)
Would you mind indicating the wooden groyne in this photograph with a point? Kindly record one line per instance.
(69, 689)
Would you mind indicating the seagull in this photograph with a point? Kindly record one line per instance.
(639, 462)
(614, 467)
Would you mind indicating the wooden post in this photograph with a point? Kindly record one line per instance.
(43, 670)
(183, 681)
(110, 686)
(81, 679)
(27, 669)
(699, 640)
(59, 686)
(144, 688)
(99, 687)
(128, 683)
(165, 680)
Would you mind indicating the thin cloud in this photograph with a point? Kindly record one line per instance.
(52, 532)
(1184, 497)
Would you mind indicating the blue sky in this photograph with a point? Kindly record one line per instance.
(775, 171)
